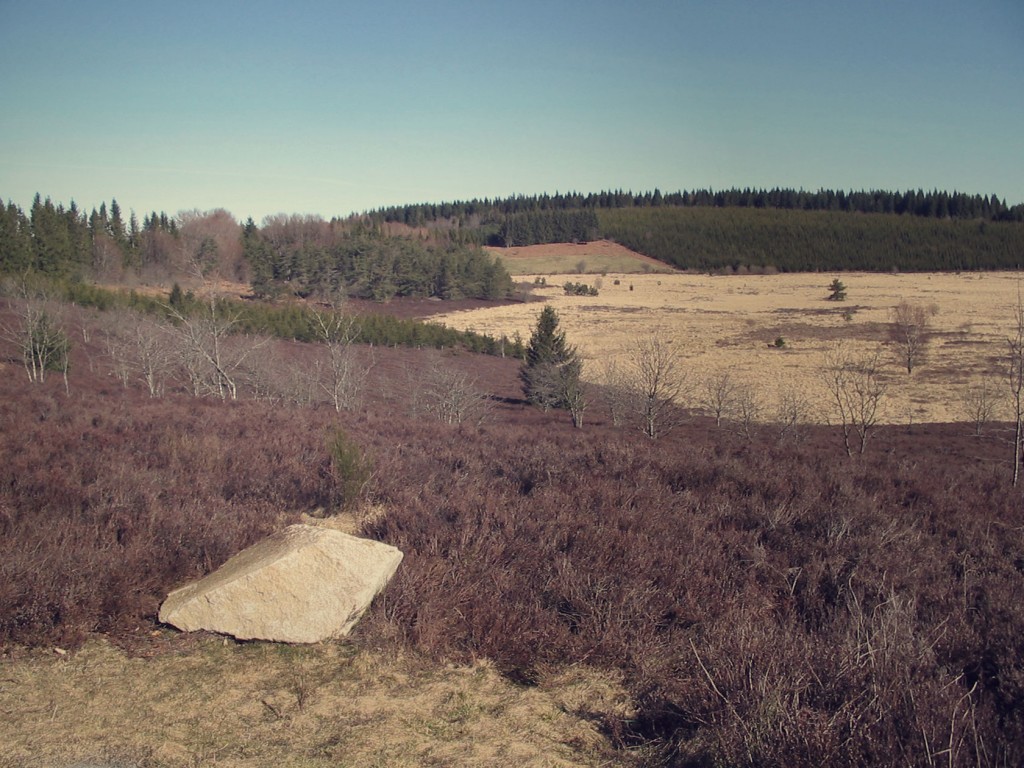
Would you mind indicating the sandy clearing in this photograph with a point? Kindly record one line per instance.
(729, 323)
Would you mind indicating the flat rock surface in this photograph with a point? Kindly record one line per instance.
(304, 584)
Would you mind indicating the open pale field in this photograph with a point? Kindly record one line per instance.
(729, 323)
(557, 258)
(214, 702)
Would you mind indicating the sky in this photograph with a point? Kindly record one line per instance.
(333, 108)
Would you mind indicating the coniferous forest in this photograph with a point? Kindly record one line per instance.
(780, 229)
(438, 253)
(287, 256)
(935, 204)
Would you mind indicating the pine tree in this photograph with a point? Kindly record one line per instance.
(15, 240)
(551, 371)
(837, 290)
(50, 237)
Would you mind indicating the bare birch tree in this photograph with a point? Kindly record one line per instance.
(615, 390)
(790, 413)
(910, 331)
(719, 396)
(857, 389)
(153, 352)
(341, 375)
(978, 405)
(450, 395)
(212, 353)
(40, 337)
(748, 408)
(1015, 379)
(575, 393)
(117, 333)
(657, 386)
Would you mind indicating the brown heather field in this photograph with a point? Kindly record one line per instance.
(718, 597)
(730, 322)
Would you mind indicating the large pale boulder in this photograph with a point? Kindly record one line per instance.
(304, 584)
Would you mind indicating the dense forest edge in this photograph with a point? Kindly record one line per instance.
(777, 230)
(89, 259)
(436, 250)
(934, 204)
(297, 256)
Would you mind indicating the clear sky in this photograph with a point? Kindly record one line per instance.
(331, 108)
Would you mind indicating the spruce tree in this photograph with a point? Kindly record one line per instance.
(15, 240)
(837, 290)
(551, 370)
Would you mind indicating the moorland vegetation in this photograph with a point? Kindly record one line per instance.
(768, 595)
(766, 601)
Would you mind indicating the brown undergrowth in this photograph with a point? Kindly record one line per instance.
(764, 601)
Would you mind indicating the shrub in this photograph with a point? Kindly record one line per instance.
(351, 469)
(837, 290)
(579, 289)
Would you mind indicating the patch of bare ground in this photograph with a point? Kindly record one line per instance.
(424, 309)
(213, 702)
(594, 257)
(730, 323)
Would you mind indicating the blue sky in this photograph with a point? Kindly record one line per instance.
(331, 108)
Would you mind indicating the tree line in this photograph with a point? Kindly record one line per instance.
(936, 204)
(546, 226)
(299, 256)
(784, 229)
(712, 239)
(779, 229)
(63, 242)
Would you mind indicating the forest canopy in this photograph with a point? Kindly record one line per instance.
(934, 204)
(309, 256)
(288, 255)
(435, 250)
(783, 229)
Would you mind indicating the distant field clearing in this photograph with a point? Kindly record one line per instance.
(729, 323)
(586, 258)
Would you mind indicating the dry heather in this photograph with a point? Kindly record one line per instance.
(762, 599)
(730, 323)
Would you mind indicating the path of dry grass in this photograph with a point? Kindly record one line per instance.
(213, 702)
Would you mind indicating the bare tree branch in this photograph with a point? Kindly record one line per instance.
(1015, 379)
(657, 386)
(910, 331)
(342, 377)
(857, 389)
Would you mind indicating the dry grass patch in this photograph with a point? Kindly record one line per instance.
(729, 323)
(597, 257)
(219, 703)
